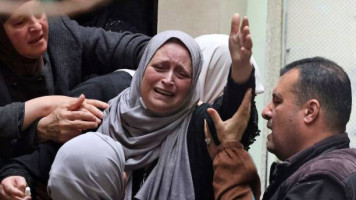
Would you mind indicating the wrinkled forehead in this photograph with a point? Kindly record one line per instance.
(176, 41)
(173, 41)
(161, 38)
(180, 38)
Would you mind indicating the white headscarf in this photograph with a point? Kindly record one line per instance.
(216, 66)
(146, 136)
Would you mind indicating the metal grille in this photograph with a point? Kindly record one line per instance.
(324, 28)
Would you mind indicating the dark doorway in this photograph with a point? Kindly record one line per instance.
(137, 16)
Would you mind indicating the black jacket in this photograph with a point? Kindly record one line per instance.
(326, 170)
(74, 54)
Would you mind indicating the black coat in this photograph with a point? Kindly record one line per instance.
(326, 170)
(74, 54)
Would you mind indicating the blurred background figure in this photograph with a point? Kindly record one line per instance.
(54, 7)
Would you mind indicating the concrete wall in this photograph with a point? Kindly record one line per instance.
(198, 17)
(257, 14)
(328, 32)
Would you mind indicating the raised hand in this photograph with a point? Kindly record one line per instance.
(240, 46)
(70, 119)
(232, 129)
(13, 188)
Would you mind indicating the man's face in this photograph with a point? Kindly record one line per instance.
(284, 118)
(27, 29)
(167, 78)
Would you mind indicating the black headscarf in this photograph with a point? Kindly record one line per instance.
(18, 63)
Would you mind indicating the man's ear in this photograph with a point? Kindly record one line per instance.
(311, 111)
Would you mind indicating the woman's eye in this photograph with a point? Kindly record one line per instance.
(183, 75)
(18, 23)
(158, 67)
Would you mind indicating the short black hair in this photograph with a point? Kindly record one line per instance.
(327, 82)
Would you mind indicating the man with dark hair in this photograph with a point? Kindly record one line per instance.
(327, 82)
(310, 108)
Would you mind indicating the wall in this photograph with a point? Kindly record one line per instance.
(198, 17)
(257, 14)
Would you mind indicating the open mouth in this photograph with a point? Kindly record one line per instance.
(35, 40)
(164, 92)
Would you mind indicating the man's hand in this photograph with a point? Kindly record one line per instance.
(232, 129)
(13, 188)
(70, 119)
(240, 46)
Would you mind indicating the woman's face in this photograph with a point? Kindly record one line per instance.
(167, 78)
(27, 29)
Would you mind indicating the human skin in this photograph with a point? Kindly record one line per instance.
(231, 130)
(13, 187)
(284, 116)
(27, 29)
(167, 78)
(43, 106)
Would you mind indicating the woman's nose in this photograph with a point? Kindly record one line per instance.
(35, 24)
(168, 79)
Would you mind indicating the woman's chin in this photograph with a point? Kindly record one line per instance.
(36, 53)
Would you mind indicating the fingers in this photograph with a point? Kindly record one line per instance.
(246, 103)
(97, 103)
(13, 187)
(244, 24)
(206, 130)
(219, 124)
(81, 119)
(94, 110)
(83, 115)
(212, 148)
(21, 183)
(91, 105)
(3, 194)
(243, 113)
(62, 125)
(246, 48)
(246, 37)
(235, 25)
(77, 103)
(240, 41)
(80, 125)
(215, 117)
